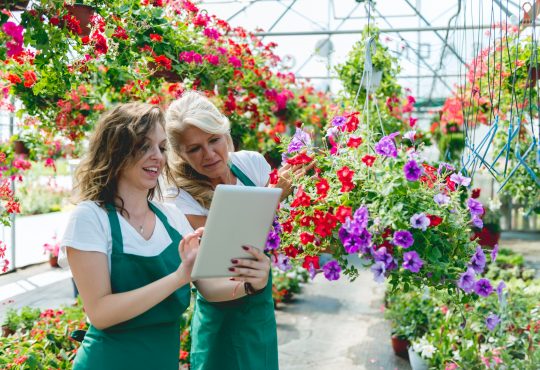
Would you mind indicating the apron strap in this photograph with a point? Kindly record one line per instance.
(117, 241)
(240, 175)
(173, 233)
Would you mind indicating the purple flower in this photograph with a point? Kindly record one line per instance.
(477, 222)
(475, 207)
(13, 30)
(492, 321)
(361, 216)
(282, 262)
(383, 256)
(299, 140)
(441, 199)
(386, 147)
(378, 270)
(412, 171)
(494, 252)
(338, 121)
(483, 287)
(420, 221)
(459, 179)
(467, 280)
(364, 238)
(500, 288)
(351, 245)
(412, 262)
(403, 238)
(410, 135)
(478, 260)
(445, 167)
(331, 270)
(272, 243)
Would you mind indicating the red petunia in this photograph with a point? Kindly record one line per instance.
(14, 79)
(305, 221)
(274, 177)
(475, 193)
(434, 220)
(301, 158)
(287, 226)
(120, 33)
(100, 46)
(301, 199)
(354, 142)
(291, 251)
(155, 37)
(368, 160)
(322, 188)
(345, 175)
(343, 212)
(163, 61)
(352, 122)
(430, 175)
(306, 238)
(311, 262)
(30, 78)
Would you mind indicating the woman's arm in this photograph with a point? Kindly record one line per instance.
(105, 309)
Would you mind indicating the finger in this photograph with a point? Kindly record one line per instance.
(256, 265)
(255, 252)
(246, 272)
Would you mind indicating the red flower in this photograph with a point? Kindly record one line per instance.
(305, 221)
(434, 220)
(322, 188)
(291, 251)
(450, 185)
(430, 175)
(302, 199)
(274, 177)
(183, 355)
(354, 142)
(368, 160)
(54, 21)
(14, 79)
(163, 61)
(306, 238)
(29, 78)
(85, 40)
(343, 212)
(155, 37)
(352, 122)
(301, 158)
(345, 176)
(287, 226)
(324, 223)
(311, 261)
(120, 33)
(100, 44)
(475, 193)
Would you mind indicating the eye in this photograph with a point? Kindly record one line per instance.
(162, 149)
(213, 140)
(193, 150)
(144, 148)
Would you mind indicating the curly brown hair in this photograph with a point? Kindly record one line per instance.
(115, 144)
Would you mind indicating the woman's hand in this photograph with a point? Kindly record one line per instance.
(188, 249)
(254, 272)
(287, 173)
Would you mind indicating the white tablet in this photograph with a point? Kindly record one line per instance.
(239, 215)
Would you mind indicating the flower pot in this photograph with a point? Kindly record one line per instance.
(13, 5)
(486, 237)
(533, 75)
(19, 147)
(417, 362)
(6, 331)
(82, 13)
(400, 347)
(169, 76)
(53, 261)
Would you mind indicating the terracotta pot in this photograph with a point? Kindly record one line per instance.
(19, 147)
(6, 331)
(13, 5)
(400, 347)
(533, 72)
(169, 76)
(82, 13)
(53, 261)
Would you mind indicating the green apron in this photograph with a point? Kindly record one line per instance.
(235, 335)
(152, 339)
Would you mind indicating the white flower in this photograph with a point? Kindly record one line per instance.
(468, 343)
(248, 114)
(456, 356)
(262, 127)
(428, 351)
(254, 101)
(494, 204)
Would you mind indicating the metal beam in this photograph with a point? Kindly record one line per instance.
(398, 76)
(436, 33)
(503, 8)
(381, 30)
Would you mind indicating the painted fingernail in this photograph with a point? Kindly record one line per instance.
(234, 260)
(232, 279)
(231, 268)
(245, 248)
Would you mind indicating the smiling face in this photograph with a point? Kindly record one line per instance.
(143, 171)
(206, 153)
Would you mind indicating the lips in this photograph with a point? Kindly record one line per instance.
(152, 170)
(211, 164)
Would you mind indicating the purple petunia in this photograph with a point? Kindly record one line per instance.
(378, 270)
(282, 262)
(477, 222)
(273, 241)
(361, 216)
(447, 167)
(483, 287)
(386, 146)
(467, 280)
(492, 321)
(381, 255)
(412, 171)
(500, 288)
(420, 221)
(299, 140)
(332, 270)
(412, 262)
(403, 238)
(441, 199)
(494, 252)
(459, 179)
(478, 260)
(475, 207)
(338, 121)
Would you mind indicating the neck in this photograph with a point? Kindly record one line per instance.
(135, 200)
(226, 178)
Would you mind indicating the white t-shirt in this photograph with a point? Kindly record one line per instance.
(88, 229)
(252, 164)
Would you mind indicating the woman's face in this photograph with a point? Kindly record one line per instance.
(143, 172)
(206, 153)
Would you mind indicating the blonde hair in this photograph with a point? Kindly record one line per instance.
(116, 143)
(194, 109)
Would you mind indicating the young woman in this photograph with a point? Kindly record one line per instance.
(234, 325)
(131, 257)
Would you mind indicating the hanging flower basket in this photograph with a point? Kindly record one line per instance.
(13, 5)
(533, 75)
(82, 13)
(169, 76)
(19, 147)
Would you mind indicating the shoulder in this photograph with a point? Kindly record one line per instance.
(88, 210)
(246, 156)
(253, 165)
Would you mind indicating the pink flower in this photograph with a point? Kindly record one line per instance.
(235, 62)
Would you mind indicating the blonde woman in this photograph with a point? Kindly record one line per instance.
(234, 325)
(131, 257)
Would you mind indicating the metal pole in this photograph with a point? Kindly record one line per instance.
(12, 216)
(398, 76)
(382, 30)
(419, 43)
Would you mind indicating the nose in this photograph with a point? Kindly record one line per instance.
(207, 152)
(157, 153)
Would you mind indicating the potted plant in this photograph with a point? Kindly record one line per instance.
(53, 249)
(489, 234)
(12, 322)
